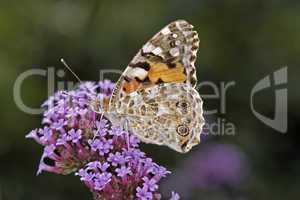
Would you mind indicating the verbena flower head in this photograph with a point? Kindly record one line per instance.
(218, 165)
(215, 167)
(105, 157)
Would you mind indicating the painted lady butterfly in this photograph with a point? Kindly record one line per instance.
(156, 96)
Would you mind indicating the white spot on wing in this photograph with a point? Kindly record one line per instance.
(157, 51)
(174, 51)
(137, 72)
(177, 42)
(187, 33)
(178, 26)
(165, 31)
(148, 47)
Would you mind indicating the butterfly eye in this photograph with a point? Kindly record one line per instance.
(182, 130)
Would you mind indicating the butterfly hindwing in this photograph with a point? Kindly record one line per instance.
(165, 115)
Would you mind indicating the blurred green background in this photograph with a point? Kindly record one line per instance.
(241, 41)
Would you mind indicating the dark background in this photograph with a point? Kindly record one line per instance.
(241, 41)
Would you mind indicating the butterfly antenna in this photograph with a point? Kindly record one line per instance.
(69, 68)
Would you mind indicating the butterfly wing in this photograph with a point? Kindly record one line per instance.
(168, 57)
(158, 79)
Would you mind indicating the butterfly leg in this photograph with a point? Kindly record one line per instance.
(126, 128)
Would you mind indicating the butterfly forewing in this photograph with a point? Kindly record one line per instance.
(167, 57)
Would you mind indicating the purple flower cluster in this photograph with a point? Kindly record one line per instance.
(218, 165)
(214, 167)
(105, 157)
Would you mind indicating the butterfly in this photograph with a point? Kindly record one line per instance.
(155, 96)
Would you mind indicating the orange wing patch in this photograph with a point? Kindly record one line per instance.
(130, 86)
(162, 72)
